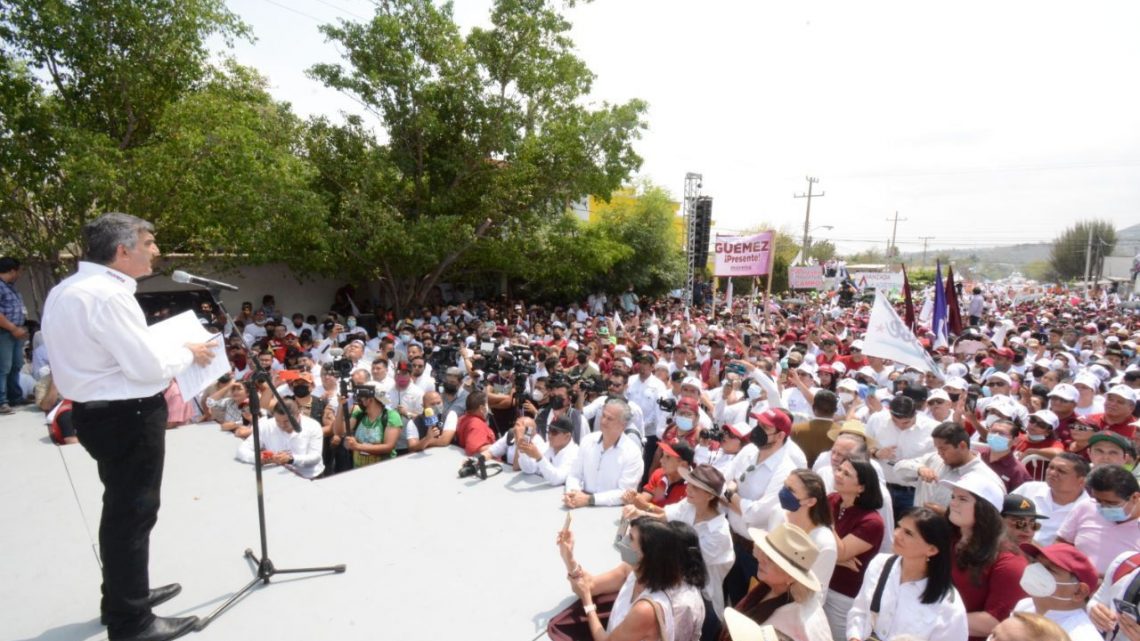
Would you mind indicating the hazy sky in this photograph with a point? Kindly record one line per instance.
(981, 123)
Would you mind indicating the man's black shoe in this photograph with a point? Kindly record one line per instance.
(156, 596)
(162, 629)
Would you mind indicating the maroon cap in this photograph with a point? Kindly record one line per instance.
(776, 420)
(688, 403)
(731, 429)
(1004, 352)
(1067, 558)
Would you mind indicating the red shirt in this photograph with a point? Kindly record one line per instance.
(664, 493)
(868, 526)
(823, 359)
(850, 362)
(1064, 431)
(473, 434)
(998, 588)
(1124, 429)
(1010, 470)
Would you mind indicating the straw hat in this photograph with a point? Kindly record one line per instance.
(851, 427)
(790, 548)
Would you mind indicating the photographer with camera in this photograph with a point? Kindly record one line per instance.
(554, 462)
(615, 387)
(607, 464)
(537, 399)
(373, 428)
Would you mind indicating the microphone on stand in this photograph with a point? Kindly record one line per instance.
(180, 276)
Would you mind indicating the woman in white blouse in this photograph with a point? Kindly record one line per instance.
(918, 596)
(804, 499)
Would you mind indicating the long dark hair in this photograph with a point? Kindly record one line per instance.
(935, 530)
(660, 567)
(981, 550)
(693, 566)
(820, 513)
(871, 498)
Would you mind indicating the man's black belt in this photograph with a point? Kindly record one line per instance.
(904, 488)
(125, 402)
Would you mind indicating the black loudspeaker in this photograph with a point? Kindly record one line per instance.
(699, 245)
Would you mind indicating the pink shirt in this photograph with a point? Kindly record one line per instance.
(1100, 540)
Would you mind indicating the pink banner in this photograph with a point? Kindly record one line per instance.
(743, 255)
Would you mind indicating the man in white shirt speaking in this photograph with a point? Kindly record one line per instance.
(105, 360)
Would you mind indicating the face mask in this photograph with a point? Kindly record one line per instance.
(1036, 438)
(407, 338)
(704, 349)
(986, 391)
(1038, 582)
(1113, 514)
(350, 323)
(537, 395)
(683, 423)
(846, 397)
(239, 361)
(301, 391)
(998, 443)
(754, 392)
(954, 397)
(450, 388)
(788, 501)
(558, 402)
(582, 358)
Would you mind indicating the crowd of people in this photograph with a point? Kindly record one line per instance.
(766, 466)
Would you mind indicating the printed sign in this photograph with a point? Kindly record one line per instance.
(743, 255)
(879, 281)
(806, 277)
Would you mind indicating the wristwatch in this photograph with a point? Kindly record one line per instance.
(591, 501)
(592, 608)
(290, 459)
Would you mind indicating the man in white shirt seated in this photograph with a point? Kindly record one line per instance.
(608, 464)
(1062, 490)
(554, 462)
(1059, 582)
(1121, 583)
(282, 445)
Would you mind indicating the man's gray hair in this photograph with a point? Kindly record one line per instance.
(103, 235)
(861, 450)
(626, 413)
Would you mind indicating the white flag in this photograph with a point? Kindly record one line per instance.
(888, 337)
(728, 296)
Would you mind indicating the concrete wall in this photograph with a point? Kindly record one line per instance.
(310, 295)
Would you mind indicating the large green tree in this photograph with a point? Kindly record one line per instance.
(112, 104)
(647, 225)
(488, 137)
(1070, 249)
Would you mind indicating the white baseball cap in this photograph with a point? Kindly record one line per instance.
(980, 486)
(1123, 391)
(1065, 392)
(1047, 417)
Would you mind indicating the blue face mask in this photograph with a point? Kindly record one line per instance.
(788, 501)
(1113, 514)
(998, 443)
(683, 423)
(986, 391)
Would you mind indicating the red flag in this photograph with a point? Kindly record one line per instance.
(955, 322)
(908, 301)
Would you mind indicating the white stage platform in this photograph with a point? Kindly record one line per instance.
(429, 556)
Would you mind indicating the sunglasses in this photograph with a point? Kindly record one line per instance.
(748, 471)
(1025, 524)
(1083, 428)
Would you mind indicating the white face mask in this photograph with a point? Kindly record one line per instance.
(846, 397)
(754, 392)
(704, 349)
(1038, 582)
(538, 395)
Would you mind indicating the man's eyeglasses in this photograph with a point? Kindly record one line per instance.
(1025, 524)
(1083, 428)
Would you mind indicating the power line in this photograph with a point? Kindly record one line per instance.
(300, 13)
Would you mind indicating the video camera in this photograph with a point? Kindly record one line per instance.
(715, 433)
(667, 404)
(477, 466)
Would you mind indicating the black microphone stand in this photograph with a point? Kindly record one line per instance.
(265, 568)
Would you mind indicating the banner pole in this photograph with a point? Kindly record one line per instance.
(768, 291)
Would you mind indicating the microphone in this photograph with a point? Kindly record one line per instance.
(180, 276)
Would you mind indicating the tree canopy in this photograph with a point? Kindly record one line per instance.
(1070, 248)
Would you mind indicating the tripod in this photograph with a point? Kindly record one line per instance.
(265, 568)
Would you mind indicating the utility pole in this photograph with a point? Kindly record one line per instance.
(894, 233)
(807, 216)
(924, 239)
(1088, 261)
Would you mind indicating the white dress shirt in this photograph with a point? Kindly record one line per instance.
(1042, 497)
(715, 536)
(913, 442)
(1110, 590)
(644, 394)
(936, 492)
(593, 413)
(98, 341)
(305, 447)
(553, 467)
(758, 489)
(1075, 623)
(411, 397)
(606, 472)
(505, 452)
(901, 610)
